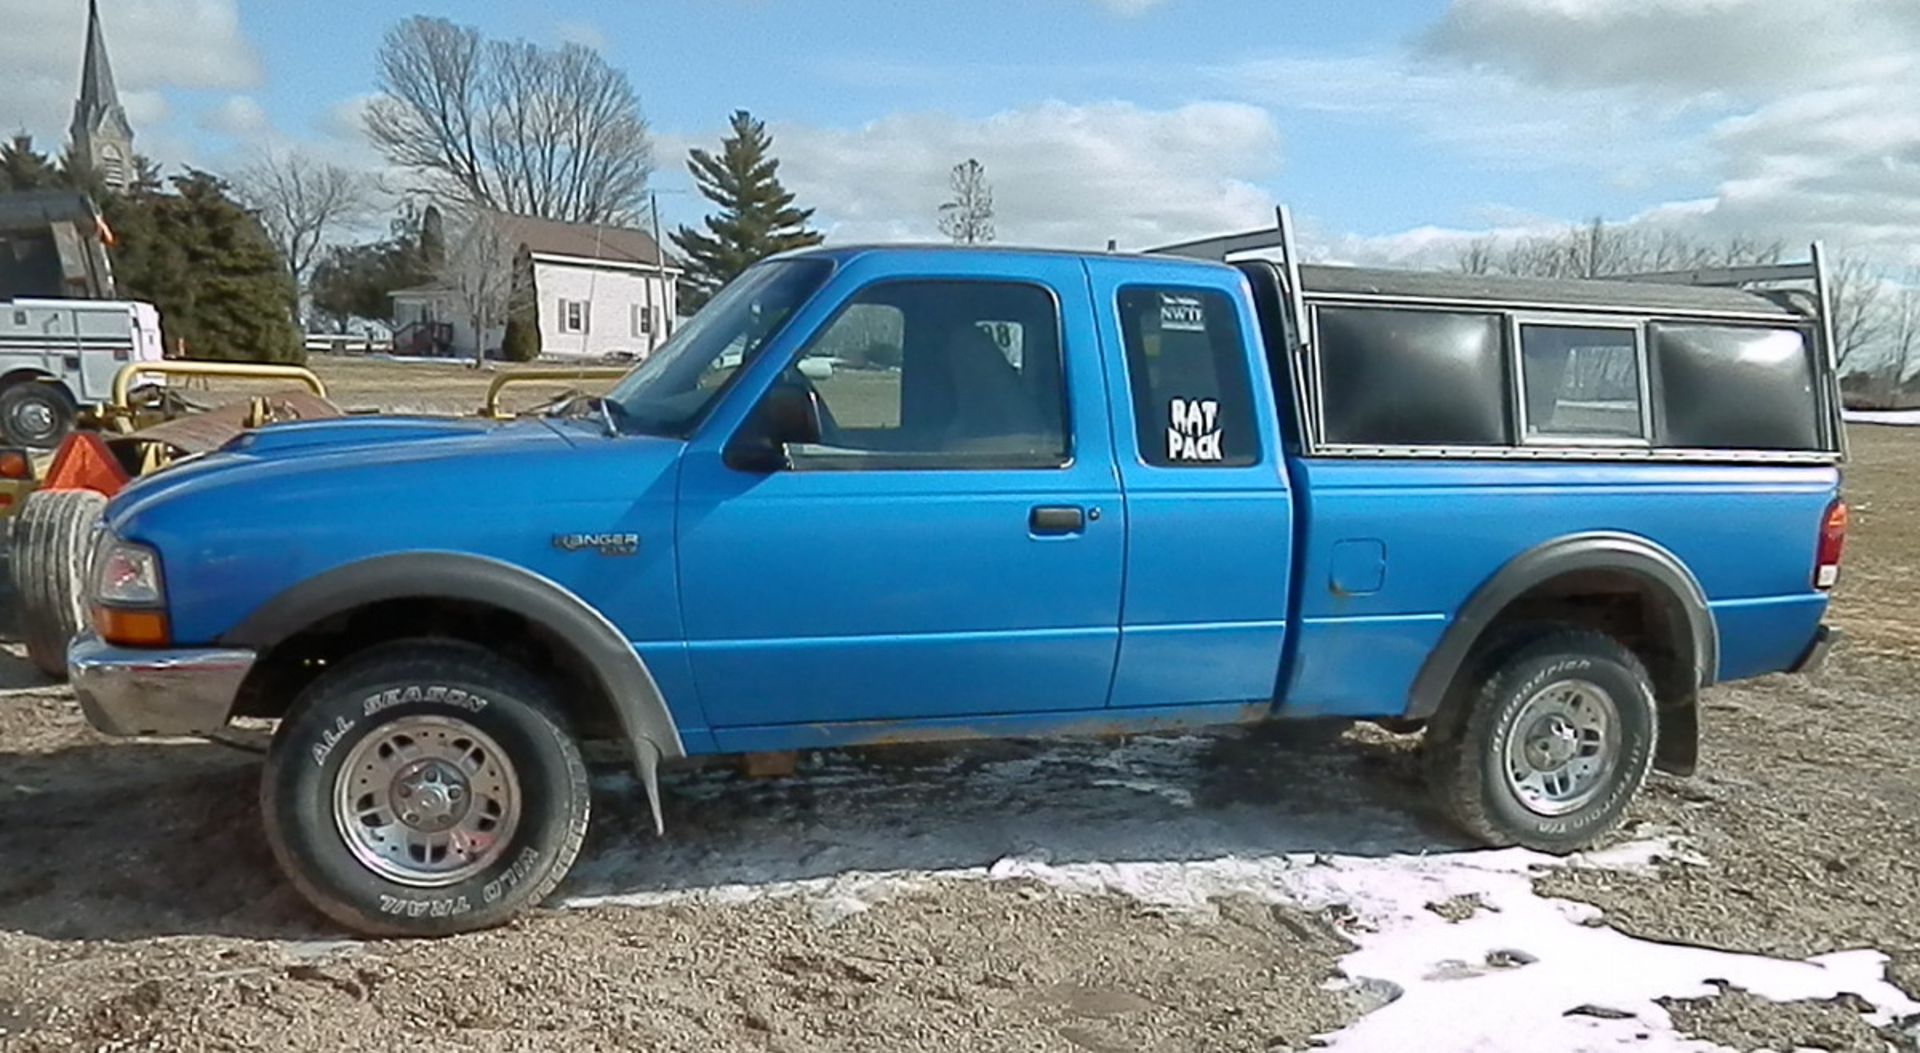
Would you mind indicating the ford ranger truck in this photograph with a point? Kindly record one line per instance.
(1036, 493)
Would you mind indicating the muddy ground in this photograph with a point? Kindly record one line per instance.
(139, 908)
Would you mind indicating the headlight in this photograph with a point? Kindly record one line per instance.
(129, 599)
(127, 575)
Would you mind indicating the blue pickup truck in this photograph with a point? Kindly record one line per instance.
(1011, 493)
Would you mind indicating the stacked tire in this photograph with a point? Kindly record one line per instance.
(50, 560)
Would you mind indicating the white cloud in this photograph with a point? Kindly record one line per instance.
(146, 108)
(1064, 175)
(1793, 118)
(1816, 137)
(1492, 115)
(346, 121)
(239, 117)
(1691, 48)
(154, 44)
(582, 32)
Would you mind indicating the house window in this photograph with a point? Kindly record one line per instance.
(573, 316)
(642, 319)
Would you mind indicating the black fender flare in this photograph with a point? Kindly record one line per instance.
(621, 674)
(1669, 578)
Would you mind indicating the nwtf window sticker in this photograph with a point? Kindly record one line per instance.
(1182, 314)
(1195, 434)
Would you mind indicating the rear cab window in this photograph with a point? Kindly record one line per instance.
(1188, 376)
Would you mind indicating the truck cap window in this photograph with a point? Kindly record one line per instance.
(1734, 388)
(1581, 382)
(1187, 368)
(669, 392)
(1412, 378)
(938, 374)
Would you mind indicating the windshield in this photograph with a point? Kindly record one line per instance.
(669, 392)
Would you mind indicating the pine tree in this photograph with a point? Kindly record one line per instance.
(354, 281)
(756, 217)
(205, 262)
(433, 239)
(24, 168)
(521, 343)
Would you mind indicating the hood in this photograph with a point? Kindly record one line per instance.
(362, 456)
(290, 502)
(355, 432)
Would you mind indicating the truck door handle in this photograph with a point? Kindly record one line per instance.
(1054, 520)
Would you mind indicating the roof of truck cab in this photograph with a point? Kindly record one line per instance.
(1566, 292)
(1415, 286)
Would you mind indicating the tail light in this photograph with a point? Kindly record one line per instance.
(1833, 538)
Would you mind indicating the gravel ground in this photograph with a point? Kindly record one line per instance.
(139, 907)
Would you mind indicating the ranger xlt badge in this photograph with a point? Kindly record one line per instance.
(605, 544)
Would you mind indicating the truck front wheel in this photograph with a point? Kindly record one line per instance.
(424, 788)
(1549, 748)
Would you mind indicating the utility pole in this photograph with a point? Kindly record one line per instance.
(660, 267)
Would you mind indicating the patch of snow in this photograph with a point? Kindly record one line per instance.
(1181, 822)
(1907, 417)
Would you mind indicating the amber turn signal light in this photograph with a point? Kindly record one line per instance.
(130, 628)
(15, 464)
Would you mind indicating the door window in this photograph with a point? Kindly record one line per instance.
(1187, 367)
(938, 374)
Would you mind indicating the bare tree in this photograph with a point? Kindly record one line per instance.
(1856, 289)
(1597, 249)
(968, 217)
(1903, 329)
(302, 201)
(510, 126)
(1477, 256)
(481, 270)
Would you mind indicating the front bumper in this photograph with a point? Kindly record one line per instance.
(137, 691)
(1816, 654)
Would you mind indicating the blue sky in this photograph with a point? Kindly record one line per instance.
(1395, 127)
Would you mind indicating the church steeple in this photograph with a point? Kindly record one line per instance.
(101, 132)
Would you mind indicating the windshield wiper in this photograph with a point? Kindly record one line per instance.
(577, 406)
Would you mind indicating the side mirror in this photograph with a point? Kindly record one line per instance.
(789, 414)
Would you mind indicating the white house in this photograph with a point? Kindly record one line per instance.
(601, 292)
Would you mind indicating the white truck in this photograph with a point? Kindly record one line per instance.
(57, 356)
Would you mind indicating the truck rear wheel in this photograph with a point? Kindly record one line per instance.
(36, 414)
(52, 545)
(1549, 748)
(424, 788)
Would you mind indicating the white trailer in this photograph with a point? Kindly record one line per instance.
(57, 356)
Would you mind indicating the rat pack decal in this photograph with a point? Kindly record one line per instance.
(1194, 433)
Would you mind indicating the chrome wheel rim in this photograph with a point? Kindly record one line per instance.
(33, 419)
(427, 801)
(1562, 748)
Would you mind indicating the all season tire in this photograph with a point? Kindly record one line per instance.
(424, 788)
(50, 560)
(1547, 750)
(36, 415)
